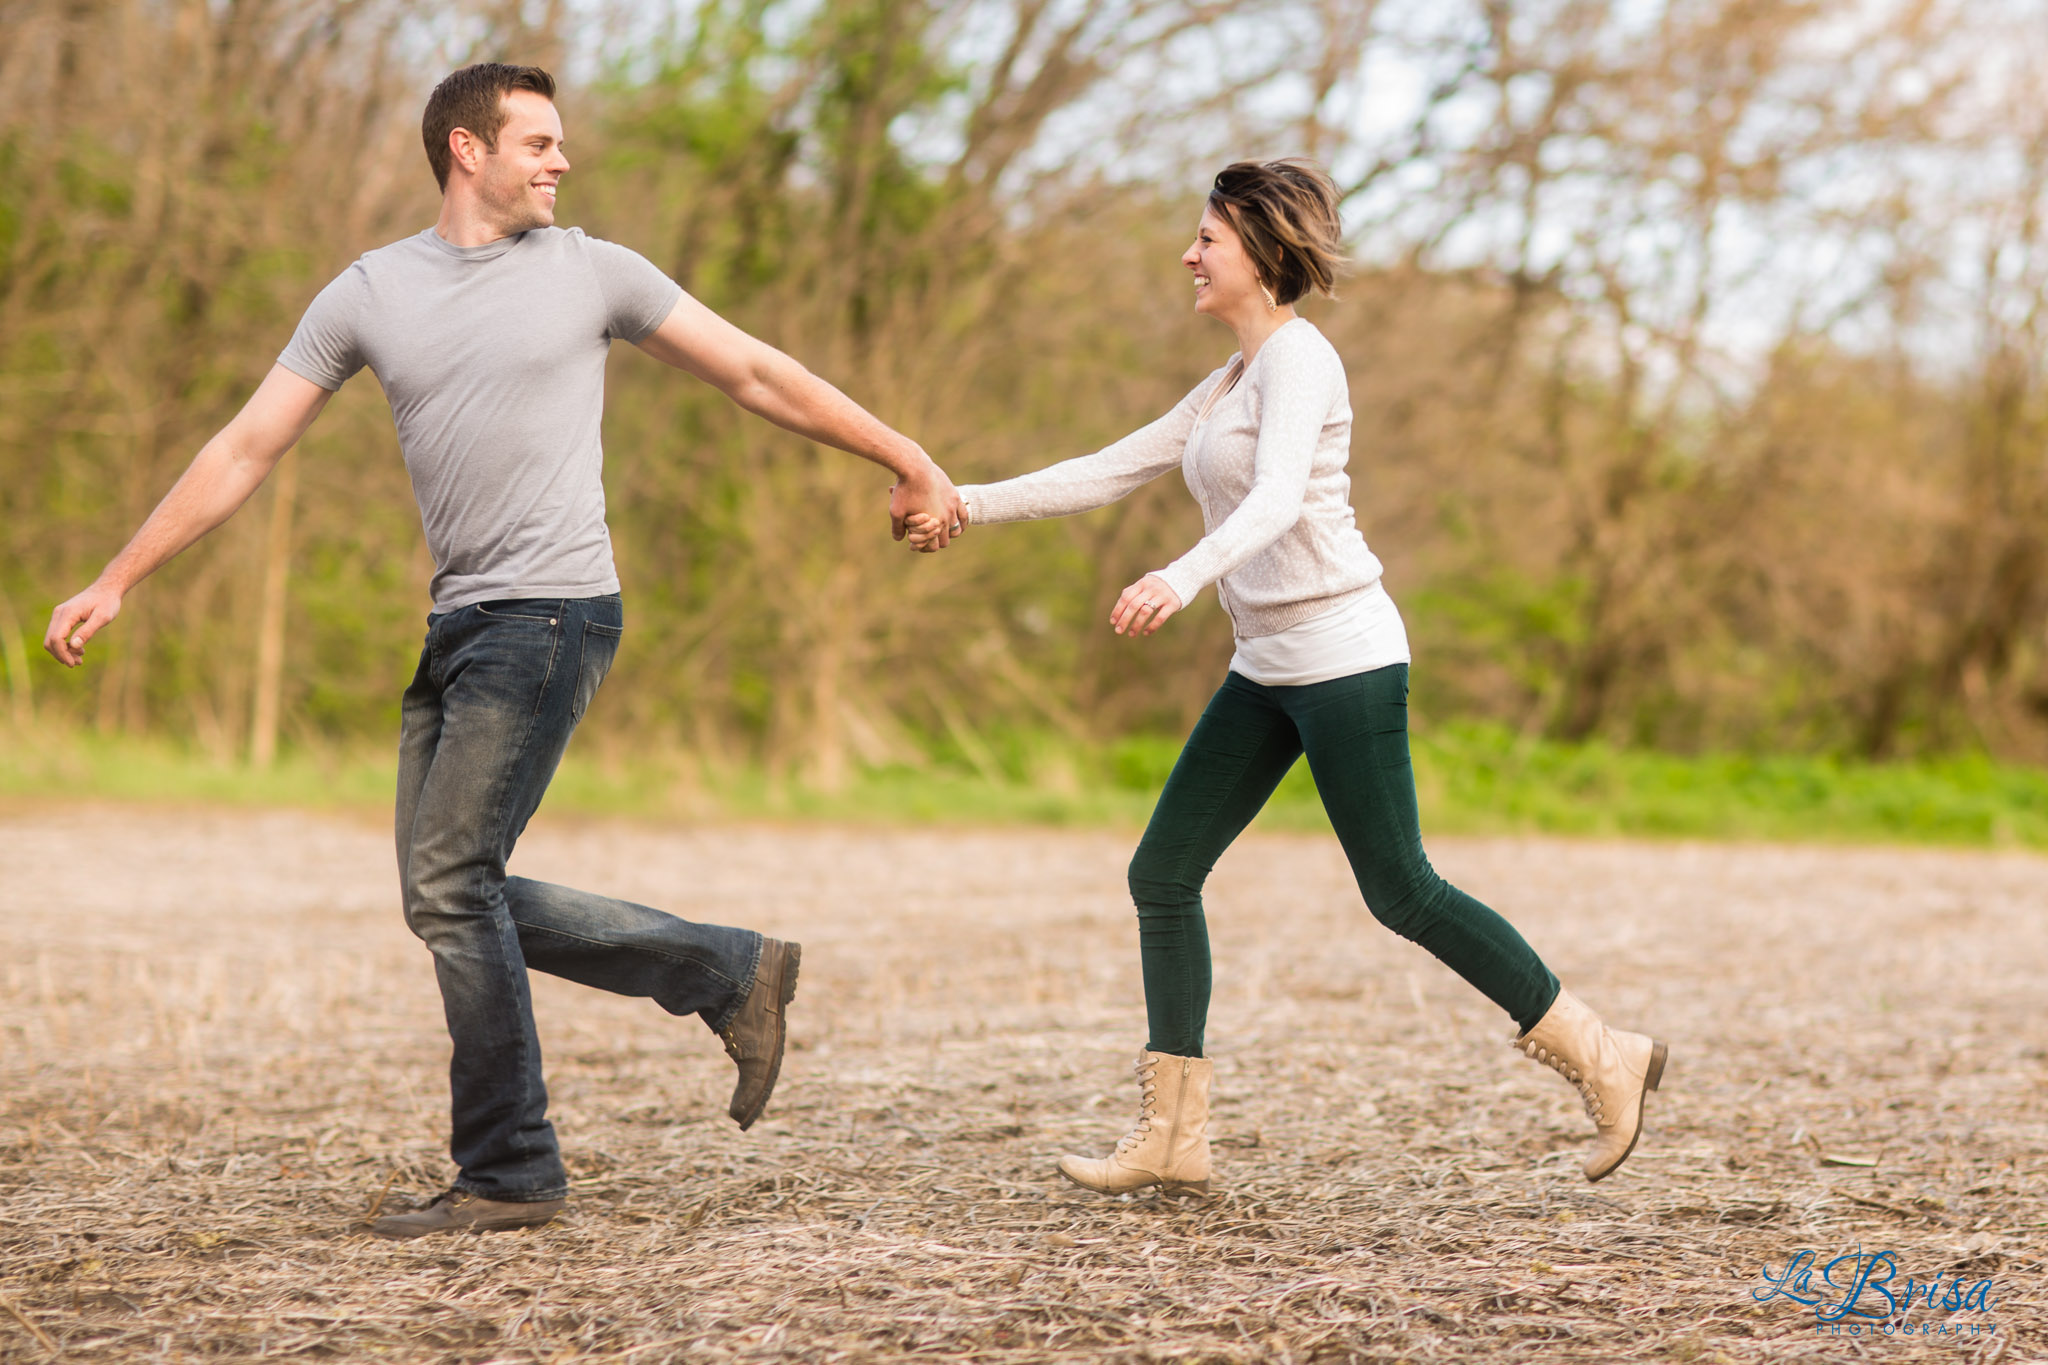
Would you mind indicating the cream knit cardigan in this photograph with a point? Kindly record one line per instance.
(1267, 465)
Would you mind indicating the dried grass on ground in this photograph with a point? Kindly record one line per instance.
(219, 1048)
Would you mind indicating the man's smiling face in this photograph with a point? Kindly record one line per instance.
(517, 181)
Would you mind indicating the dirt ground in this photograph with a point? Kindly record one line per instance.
(219, 1049)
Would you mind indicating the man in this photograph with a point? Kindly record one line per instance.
(488, 333)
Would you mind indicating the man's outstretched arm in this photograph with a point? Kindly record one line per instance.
(770, 384)
(220, 479)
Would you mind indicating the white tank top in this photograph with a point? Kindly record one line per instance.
(1353, 637)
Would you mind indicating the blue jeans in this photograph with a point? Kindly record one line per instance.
(499, 689)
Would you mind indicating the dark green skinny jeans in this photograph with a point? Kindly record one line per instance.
(1355, 733)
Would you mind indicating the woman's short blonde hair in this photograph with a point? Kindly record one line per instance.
(1286, 214)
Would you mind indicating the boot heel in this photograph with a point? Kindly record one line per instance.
(1185, 1189)
(1656, 1072)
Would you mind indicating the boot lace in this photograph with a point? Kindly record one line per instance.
(1148, 1107)
(1589, 1096)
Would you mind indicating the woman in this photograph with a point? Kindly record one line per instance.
(1321, 668)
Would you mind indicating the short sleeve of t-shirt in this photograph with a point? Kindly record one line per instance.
(326, 348)
(637, 296)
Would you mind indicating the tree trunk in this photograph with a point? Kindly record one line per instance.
(21, 701)
(277, 564)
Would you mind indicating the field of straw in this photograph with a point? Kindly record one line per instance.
(220, 1049)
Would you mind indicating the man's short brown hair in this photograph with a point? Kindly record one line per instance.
(474, 98)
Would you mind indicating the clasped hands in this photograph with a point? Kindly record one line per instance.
(1141, 609)
(926, 507)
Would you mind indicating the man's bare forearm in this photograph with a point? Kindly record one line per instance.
(787, 394)
(219, 480)
(221, 477)
(775, 386)
(790, 396)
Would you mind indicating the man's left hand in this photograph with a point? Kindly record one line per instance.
(931, 493)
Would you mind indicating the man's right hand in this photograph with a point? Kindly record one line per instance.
(75, 622)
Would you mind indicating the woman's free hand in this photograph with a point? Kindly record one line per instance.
(1144, 606)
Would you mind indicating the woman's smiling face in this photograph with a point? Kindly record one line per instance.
(1225, 281)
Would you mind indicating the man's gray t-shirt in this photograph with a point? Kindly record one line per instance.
(493, 360)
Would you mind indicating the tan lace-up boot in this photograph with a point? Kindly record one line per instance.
(1612, 1069)
(1169, 1145)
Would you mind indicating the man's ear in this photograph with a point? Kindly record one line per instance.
(466, 149)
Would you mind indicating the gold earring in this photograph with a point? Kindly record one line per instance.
(1270, 305)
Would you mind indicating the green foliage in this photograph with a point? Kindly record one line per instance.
(1513, 625)
(1472, 779)
(1480, 777)
(1842, 558)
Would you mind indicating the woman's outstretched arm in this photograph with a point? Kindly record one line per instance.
(1090, 481)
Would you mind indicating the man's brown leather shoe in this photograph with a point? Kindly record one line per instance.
(757, 1032)
(461, 1211)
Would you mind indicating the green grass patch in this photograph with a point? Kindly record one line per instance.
(82, 765)
(1480, 778)
(1472, 779)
